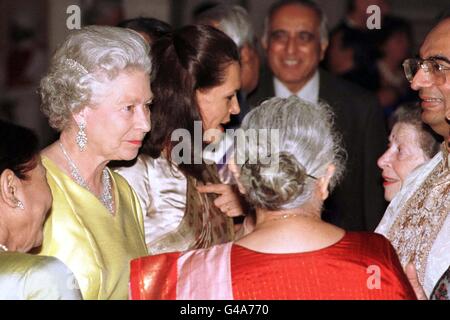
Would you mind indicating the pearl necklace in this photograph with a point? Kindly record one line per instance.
(106, 197)
(3, 247)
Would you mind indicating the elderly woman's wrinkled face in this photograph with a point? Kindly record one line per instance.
(37, 199)
(218, 103)
(120, 116)
(403, 155)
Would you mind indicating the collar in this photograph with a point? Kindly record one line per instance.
(309, 92)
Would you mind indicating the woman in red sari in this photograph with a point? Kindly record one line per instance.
(290, 253)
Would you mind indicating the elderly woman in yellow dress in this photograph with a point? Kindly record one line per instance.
(97, 94)
(25, 199)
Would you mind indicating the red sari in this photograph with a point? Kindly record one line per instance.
(359, 266)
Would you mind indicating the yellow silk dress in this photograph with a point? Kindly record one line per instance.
(95, 244)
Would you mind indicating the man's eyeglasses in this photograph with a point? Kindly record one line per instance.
(283, 37)
(431, 67)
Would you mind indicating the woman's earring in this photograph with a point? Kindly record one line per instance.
(81, 136)
(19, 204)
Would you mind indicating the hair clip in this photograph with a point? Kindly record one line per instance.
(76, 65)
(308, 175)
(312, 177)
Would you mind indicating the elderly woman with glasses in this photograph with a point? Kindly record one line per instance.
(291, 252)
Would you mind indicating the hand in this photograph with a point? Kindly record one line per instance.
(228, 200)
(411, 273)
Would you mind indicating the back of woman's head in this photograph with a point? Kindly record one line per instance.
(83, 62)
(189, 59)
(18, 149)
(307, 144)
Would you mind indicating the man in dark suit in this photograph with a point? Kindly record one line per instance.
(295, 41)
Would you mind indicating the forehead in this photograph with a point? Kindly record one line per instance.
(231, 82)
(128, 83)
(437, 42)
(404, 132)
(295, 17)
(233, 76)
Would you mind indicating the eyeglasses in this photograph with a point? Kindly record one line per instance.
(431, 67)
(283, 37)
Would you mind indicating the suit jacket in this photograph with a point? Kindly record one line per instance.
(357, 203)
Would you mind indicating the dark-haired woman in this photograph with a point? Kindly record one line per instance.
(25, 199)
(196, 77)
(291, 252)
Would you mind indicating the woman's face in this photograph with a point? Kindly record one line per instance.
(119, 118)
(37, 199)
(403, 155)
(218, 103)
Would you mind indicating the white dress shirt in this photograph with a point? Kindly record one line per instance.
(309, 92)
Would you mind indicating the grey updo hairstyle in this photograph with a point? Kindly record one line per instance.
(307, 145)
(82, 62)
